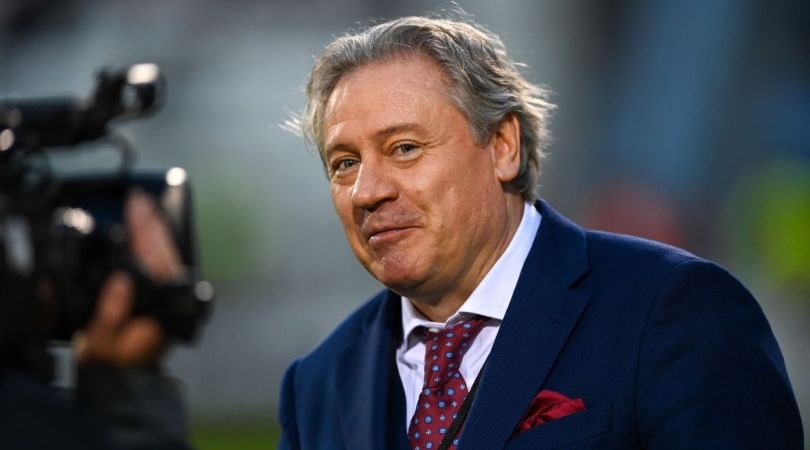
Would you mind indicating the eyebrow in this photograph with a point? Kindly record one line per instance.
(398, 128)
(383, 134)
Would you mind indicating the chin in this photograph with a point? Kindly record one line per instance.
(401, 271)
(401, 280)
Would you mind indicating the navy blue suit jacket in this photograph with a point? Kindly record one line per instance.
(667, 350)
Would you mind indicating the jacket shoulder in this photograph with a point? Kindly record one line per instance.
(624, 250)
(639, 270)
(634, 256)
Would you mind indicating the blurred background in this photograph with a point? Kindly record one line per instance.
(687, 122)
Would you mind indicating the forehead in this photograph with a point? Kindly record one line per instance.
(406, 88)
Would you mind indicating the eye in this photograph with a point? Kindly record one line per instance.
(406, 148)
(343, 164)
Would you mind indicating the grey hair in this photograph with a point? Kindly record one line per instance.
(485, 84)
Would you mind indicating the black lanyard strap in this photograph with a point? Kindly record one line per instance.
(461, 416)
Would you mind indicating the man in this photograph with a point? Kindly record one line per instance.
(503, 324)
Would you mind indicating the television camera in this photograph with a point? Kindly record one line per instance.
(62, 235)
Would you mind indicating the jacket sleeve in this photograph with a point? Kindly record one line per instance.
(287, 414)
(710, 371)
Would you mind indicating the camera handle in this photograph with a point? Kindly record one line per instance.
(180, 306)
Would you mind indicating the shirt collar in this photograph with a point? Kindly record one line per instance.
(492, 295)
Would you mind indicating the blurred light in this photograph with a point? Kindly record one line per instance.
(78, 219)
(142, 73)
(175, 176)
(6, 139)
(19, 249)
(204, 291)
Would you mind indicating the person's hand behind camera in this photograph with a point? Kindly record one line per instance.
(114, 336)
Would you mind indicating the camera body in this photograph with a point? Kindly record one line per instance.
(62, 236)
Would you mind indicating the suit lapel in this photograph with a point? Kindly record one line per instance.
(541, 315)
(364, 375)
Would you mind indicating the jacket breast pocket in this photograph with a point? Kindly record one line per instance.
(566, 430)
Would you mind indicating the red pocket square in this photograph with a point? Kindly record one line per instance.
(548, 405)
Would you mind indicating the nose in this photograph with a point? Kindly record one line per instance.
(373, 186)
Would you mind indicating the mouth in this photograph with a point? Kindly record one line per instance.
(388, 234)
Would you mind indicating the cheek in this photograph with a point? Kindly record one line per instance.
(341, 201)
(435, 180)
(464, 202)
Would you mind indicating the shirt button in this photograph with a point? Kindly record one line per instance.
(433, 330)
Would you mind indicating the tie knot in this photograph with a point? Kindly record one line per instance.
(444, 349)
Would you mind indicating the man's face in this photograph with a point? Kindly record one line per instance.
(420, 201)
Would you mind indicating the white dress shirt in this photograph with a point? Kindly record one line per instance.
(490, 299)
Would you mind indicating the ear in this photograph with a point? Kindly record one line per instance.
(505, 149)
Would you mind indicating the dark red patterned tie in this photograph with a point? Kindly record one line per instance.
(444, 390)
